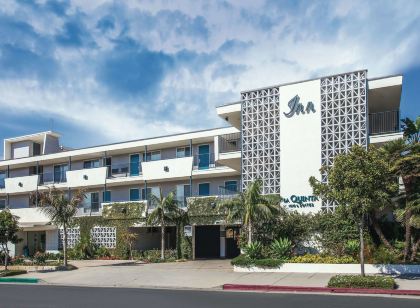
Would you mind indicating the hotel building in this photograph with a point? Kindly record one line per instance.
(280, 134)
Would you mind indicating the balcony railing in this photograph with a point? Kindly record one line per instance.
(228, 191)
(124, 170)
(230, 143)
(52, 178)
(204, 161)
(2, 183)
(385, 122)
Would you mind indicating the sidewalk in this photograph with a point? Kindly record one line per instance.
(211, 274)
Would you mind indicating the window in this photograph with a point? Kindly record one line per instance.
(60, 173)
(204, 189)
(107, 162)
(152, 156)
(150, 191)
(33, 170)
(182, 192)
(89, 164)
(2, 204)
(2, 177)
(106, 196)
(183, 152)
(134, 194)
(36, 150)
(91, 203)
(231, 186)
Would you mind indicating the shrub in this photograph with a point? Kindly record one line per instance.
(241, 260)
(245, 261)
(383, 255)
(254, 250)
(268, 263)
(281, 248)
(84, 249)
(54, 256)
(12, 273)
(40, 258)
(322, 259)
(153, 255)
(352, 247)
(356, 281)
(17, 261)
(102, 252)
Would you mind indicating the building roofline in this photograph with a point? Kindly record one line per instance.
(125, 142)
(17, 138)
(383, 77)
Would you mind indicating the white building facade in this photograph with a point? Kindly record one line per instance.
(279, 134)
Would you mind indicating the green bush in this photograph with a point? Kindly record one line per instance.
(102, 252)
(352, 247)
(153, 255)
(356, 281)
(281, 248)
(268, 263)
(254, 250)
(309, 258)
(40, 258)
(12, 273)
(242, 260)
(383, 255)
(245, 261)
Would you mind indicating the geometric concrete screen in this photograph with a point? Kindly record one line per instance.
(343, 117)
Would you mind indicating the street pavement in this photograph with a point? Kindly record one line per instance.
(45, 296)
(208, 274)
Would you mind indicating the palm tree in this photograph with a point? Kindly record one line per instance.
(404, 155)
(251, 207)
(60, 209)
(165, 212)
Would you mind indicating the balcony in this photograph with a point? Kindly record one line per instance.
(230, 143)
(52, 178)
(386, 122)
(228, 191)
(204, 161)
(124, 170)
(86, 177)
(21, 184)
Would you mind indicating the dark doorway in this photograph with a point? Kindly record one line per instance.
(232, 237)
(207, 242)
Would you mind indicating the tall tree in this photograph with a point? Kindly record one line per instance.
(165, 211)
(404, 155)
(60, 209)
(360, 180)
(251, 206)
(8, 233)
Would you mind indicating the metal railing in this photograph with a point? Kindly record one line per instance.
(52, 178)
(124, 170)
(2, 183)
(228, 191)
(230, 143)
(384, 122)
(204, 161)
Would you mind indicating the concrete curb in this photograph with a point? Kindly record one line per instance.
(271, 288)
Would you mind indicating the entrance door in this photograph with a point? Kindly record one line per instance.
(134, 164)
(203, 156)
(232, 237)
(207, 242)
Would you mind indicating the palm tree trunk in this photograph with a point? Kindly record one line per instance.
(362, 248)
(249, 232)
(162, 241)
(380, 234)
(6, 257)
(407, 234)
(414, 250)
(65, 245)
(178, 241)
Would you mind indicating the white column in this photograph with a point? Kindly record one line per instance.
(222, 242)
(51, 241)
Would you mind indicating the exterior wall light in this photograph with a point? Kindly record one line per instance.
(85, 177)
(20, 184)
(166, 169)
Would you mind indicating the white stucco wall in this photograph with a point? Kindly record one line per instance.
(177, 168)
(21, 184)
(86, 177)
(300, 144)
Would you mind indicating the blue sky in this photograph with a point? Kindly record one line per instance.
(103, 71)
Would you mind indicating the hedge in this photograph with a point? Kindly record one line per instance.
(244, 261)
(357, 281)
(9, 273)
(322, 259)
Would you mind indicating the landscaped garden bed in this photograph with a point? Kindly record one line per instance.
(11, 272)
(362, 282)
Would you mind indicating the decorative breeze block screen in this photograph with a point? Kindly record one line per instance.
(104, 236)
(261, 138)
(73, 237)
(343, 117)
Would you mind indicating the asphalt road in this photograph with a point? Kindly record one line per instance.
(61, 296)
